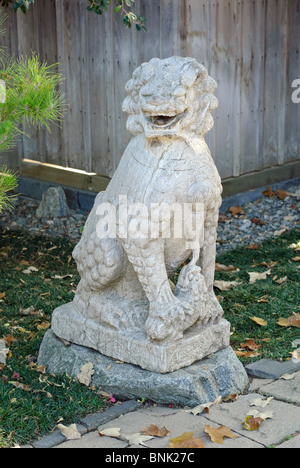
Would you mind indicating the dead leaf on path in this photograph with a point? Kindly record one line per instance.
(217, 435)
(254, 276)
(259, 321)
(114, 432)
(264, 416)
(86, 373)
(293, 321)
(186, 440)
(260, 402)
(199, 409)
(70, 432)
(289, 376)
(137, 439)
(252, 424)
(230, 398)
(226, 285)
(154, 431)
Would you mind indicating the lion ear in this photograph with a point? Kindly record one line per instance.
(191, 72)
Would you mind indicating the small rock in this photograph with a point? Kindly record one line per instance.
(53, 204)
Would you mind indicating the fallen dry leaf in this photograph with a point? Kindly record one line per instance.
(250, 345)
(2, 296)
(293, 321)
(229, 268)
(186, 440)
(199, 409)
(226, 285)
(217, 435)
(235, 210)
(154, 431)
(269, 192)
(296, 259)
(281, 194)
(30, 270)
(252, 424)
(252, 247)
(249, 354)
(260, 402)
(259, 321)
(280, 232)
(137, 439)
(70, 432)
(264, 416)
(44, 326)
(230, 398)
(20, 386)
(114, 432)
(289, 376)
(254, 276)
(86, 373)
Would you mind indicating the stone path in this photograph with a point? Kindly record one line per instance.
(282, 431)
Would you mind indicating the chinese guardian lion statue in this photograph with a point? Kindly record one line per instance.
(126, 306)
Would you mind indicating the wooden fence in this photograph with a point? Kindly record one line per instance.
(250, 47)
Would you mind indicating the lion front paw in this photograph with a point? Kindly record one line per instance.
(166, 322)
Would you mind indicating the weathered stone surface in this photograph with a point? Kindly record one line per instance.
(285, 422)
(270, 369)
(221, 374)
(197, 342)
(53, 204)
(285, 390)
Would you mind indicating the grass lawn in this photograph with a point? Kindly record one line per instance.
(32, 402)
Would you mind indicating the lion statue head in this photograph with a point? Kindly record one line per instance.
(170, 97)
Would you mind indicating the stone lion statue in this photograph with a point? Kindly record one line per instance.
(160, 211)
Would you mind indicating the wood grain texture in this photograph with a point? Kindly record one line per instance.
(251, 48)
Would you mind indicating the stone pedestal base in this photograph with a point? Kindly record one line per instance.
(134, 347)
(204, 381)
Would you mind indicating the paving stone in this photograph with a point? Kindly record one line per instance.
(55, 438)
(269, 369)
(285, 390)
(178, 422)
(294, 442)
(93, 440)
(286, 419)
(94, 420)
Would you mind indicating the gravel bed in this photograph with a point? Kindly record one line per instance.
(249, 224)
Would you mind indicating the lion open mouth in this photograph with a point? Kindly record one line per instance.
(165, 121)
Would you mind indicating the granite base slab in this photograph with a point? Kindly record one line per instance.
(202, 382)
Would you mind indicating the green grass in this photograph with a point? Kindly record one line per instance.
(241, 303)
(25, 415)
